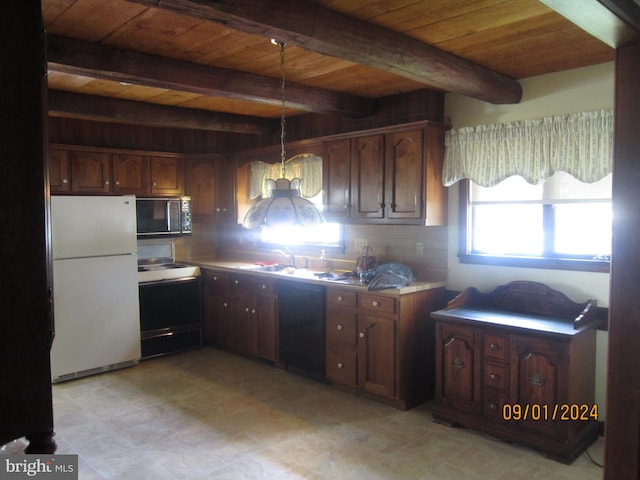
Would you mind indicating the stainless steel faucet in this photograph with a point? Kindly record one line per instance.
(287, 253)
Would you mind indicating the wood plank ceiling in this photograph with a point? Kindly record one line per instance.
(210, 65)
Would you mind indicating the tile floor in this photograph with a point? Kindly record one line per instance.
(207, 414)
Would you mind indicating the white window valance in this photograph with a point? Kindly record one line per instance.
(580, 144)
(308, 167)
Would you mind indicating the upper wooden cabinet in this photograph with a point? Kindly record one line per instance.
(389, 176)
(94, 170)
(336, 174)
(209, 181)
(404, 174)
(90, 172)
(367, 181)
(59, 170)
(130, 173)
(165, 174)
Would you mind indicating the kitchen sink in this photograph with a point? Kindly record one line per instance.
(287, 271)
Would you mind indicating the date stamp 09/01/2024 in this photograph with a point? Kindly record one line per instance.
(564, 412)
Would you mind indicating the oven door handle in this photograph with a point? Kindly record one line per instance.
(168, 280)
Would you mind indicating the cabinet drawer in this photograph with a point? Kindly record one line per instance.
(493, 404)
(341, 366)
(495, 376)
(496, 346)
(215, 278)
(251, 284)
(341, 326)
(264, 286)
(377, 303)
(340, 298)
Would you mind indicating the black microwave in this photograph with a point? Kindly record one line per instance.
(163, 216)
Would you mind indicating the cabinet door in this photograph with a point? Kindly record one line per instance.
(265, 324)
(240, 331)
(457, 367)
(201, 186)
(217, 308)
(130, 174)
(377, 355)
(224, 186)
(59, 178)
(165, 175)
(367, 175)
(404, 175)
(90, 172)
(337, 179)
(538, 376)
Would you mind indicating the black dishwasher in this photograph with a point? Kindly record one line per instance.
(301, 327)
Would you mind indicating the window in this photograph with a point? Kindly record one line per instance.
(560, 223)
(324, 235)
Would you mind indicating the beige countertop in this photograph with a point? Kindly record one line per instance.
(307, 275)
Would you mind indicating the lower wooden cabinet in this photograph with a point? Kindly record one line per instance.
(377, 344)
(381, 345)
(240, 313)
(458, 365)
(216, 308)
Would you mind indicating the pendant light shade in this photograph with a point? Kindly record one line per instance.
(283, 206)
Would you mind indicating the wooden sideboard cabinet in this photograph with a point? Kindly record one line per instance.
(381, 344)
(519, 363)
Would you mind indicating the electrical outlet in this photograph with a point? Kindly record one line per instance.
(359, 244)
(419, 249)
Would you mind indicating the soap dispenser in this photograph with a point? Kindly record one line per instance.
(324, 263)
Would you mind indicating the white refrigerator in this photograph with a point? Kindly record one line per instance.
(95, 285)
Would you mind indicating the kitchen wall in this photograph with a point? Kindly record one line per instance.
(390, 244)
(583, 89)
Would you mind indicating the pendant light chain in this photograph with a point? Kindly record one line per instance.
(282, 120)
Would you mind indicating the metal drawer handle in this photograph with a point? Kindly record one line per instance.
(225, 304)
(246, 309)
(339, 327)
(361, 335)
(264, 286)
(493, 376)
(493, 406)
(339, 298)
(253, 310)
(340, 365)
(457, 363)
(537, 380)
(64, 180)
(236, 282)
(375, 304)
(494, 346)
(215, 277)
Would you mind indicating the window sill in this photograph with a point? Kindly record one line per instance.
(528, 262)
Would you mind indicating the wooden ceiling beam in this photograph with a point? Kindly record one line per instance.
(314, 27)
(97, 61)
(614, 22)
(105, 109)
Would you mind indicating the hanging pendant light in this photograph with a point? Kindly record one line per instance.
(283, 206)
